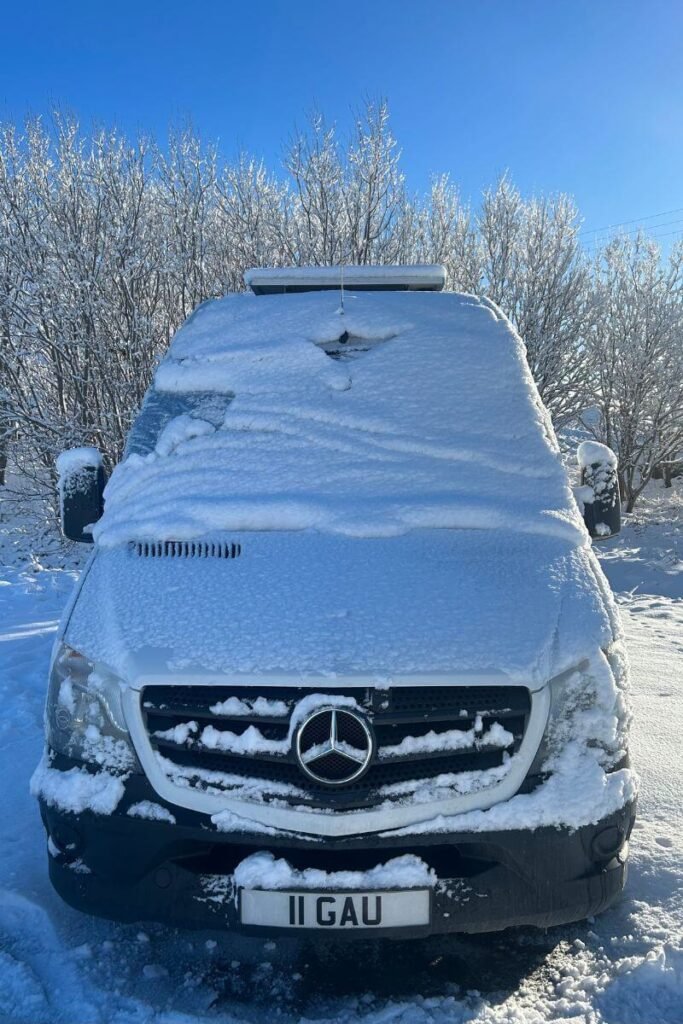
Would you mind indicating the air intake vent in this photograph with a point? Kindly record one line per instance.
(185, 549)
(346, 346)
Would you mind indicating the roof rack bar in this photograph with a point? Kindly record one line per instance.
(276, 280)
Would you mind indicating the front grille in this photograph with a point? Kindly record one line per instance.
(223, 739)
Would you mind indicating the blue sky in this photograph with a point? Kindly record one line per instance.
(583, 96)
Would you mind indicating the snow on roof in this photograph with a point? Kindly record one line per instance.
(438, 424)
(429, 277)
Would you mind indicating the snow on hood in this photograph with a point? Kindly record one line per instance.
(316, 605)
(438, 424)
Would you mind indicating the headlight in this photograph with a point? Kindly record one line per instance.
(587, 708)
(84, 717)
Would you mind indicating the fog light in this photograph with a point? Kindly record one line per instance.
(607, 843)
(163, 878)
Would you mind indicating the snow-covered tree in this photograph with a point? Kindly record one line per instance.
(535, 270)
(318, 221)
(636, 354)
(80, 335)
(441, 230)
(348, 197)
(107, 245)
(252, 224)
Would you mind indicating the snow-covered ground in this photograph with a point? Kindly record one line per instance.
(626, 967)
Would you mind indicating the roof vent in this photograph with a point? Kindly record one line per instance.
(416, 278)
(185, 549)
(347, 347)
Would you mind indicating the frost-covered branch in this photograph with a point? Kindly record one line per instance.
(107, 245)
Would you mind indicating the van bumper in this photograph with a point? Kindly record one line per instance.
(131, 869)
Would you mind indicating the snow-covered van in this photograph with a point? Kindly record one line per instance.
(343, 659)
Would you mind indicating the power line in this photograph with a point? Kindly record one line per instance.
(636, 220)
(650, 238)
(667, 234)
(633, 231)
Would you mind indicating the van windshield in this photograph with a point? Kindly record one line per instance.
(251, 426)
(160, 407)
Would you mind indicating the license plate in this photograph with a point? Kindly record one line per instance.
(334, 911)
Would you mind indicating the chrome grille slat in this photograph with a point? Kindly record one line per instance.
(433, 755)
(204, 713)
(357, 794)
(425, 755)
(169, 745)
(436, 717)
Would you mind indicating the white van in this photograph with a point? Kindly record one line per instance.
(343, 658)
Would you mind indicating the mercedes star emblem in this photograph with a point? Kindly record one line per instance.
(334, 746)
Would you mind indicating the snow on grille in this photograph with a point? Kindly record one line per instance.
(428, 740)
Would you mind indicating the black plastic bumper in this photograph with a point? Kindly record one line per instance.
(133, 869)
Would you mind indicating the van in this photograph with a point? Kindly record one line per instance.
(342, 659)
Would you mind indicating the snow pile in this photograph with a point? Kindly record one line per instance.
(181, 428)
(448, 784)
(579, 792)
(178, 733)
(439, 427)
(449, 739)
(74, 468)
(228, 821)
(252, 789)
(591, 453)
(598, 465)
(263, 871)
(646, 988)
(77, 790)
(583, 495)
(585, 738)
(235, 707)
(150, 812)
(113, 754)
(75, 459)
(252, 740)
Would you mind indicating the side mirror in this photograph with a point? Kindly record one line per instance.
(81, 485)
(598, 495)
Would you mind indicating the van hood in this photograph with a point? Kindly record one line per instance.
(317, 606)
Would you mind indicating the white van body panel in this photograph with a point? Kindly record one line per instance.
(397, 519)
